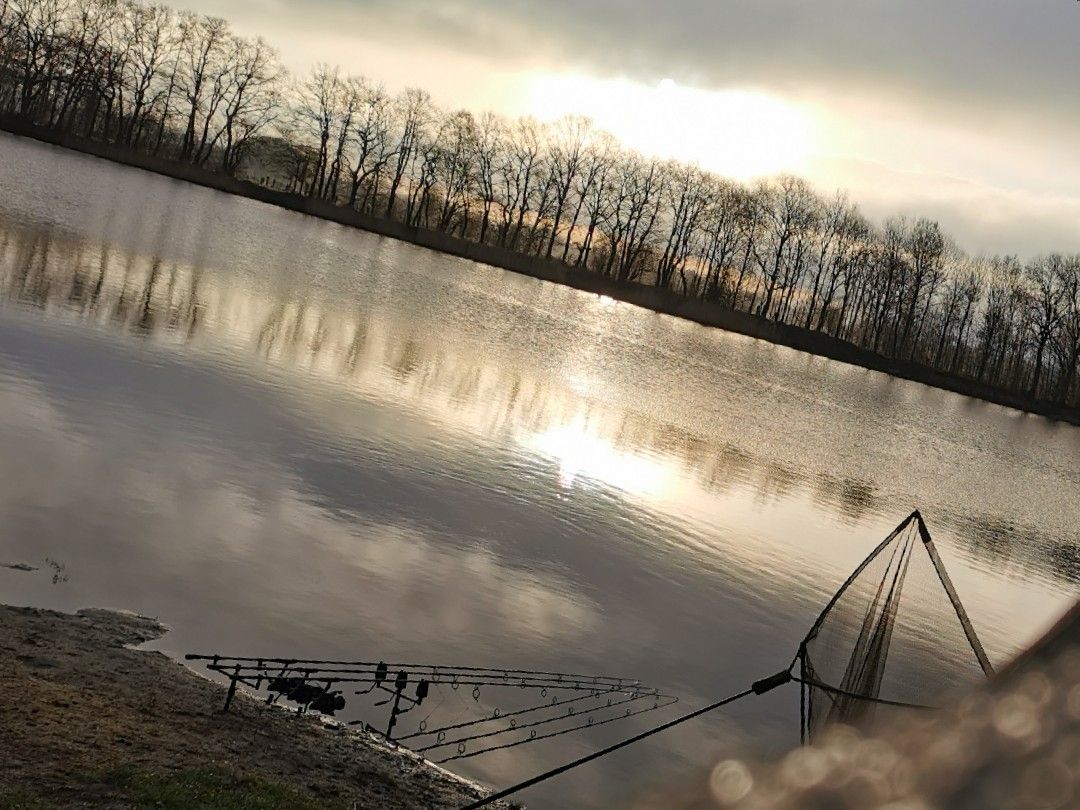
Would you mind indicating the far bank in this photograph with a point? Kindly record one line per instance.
(655, 299)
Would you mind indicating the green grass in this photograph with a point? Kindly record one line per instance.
(211, 789)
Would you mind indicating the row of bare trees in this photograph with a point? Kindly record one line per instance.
(141, 75)
(185, 87)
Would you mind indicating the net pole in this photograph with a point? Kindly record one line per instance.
(961, 614)
(802, 695)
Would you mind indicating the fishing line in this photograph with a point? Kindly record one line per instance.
(758, 688)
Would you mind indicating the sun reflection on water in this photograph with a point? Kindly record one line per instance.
(582, 454)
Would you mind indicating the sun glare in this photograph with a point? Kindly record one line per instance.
(580, 453)
(738, 133)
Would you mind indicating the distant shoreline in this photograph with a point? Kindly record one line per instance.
(655, 299)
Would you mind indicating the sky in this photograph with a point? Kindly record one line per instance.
(967, 111)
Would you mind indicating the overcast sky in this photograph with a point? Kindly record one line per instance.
(965, 110)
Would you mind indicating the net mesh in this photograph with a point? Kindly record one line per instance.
(895, 634)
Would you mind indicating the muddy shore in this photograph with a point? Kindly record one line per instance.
(87, 720)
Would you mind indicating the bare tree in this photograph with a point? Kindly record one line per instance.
(1067, 342)
(319, 118)
(371, 137)
(182, 86)
(687, 198)
(1047, 298)
(522, 163)
(152, 46)
(456, 159)
(202, 47)
(571, 136)
(413, 112)
(790, 208)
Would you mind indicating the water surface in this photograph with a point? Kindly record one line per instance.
(285, 437)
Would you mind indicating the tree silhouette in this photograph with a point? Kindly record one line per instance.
(185, 87)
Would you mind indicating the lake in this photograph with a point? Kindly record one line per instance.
(284, 437)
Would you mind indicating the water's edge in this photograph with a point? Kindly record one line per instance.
(651, 298)
(163, 713)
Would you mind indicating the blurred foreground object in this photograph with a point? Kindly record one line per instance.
(1014, 743)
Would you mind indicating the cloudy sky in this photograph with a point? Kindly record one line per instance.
(965, 110)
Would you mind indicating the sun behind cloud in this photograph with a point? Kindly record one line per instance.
(738, 133)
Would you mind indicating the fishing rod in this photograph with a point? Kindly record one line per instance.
(757, 688)
(841, 674)
(556, 702)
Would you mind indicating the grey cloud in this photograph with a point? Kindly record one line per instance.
(982, 218)
(996, 56)
(1003, 69)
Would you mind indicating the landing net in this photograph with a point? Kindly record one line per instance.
(895, 634)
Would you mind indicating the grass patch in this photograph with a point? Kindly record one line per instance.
(21, 800)
(207, 788)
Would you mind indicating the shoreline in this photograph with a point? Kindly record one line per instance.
(660, 301)
(89, 719)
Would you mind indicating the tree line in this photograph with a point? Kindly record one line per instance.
(185, 87)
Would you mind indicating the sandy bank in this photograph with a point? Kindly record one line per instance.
(87, 721)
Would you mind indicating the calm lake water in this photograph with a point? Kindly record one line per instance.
(285, 437)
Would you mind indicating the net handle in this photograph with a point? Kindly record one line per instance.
(946, 582)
